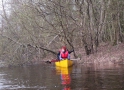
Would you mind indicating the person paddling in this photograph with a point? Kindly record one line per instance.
(64, 53)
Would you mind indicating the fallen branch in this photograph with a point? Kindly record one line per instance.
(42, 49)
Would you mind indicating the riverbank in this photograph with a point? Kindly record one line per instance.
(106, 54)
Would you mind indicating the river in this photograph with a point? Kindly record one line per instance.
(48, 77)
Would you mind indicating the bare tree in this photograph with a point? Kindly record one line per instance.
(34, 29)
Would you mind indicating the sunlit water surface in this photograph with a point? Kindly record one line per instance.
(48, 77)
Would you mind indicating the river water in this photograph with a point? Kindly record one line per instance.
(49, 77)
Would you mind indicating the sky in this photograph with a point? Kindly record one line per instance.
(0, 4)
(1, 11)
(4, 2)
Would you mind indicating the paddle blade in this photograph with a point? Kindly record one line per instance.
(48, 62)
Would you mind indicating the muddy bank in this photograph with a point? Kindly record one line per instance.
(106, 54)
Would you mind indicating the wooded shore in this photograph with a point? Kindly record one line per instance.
(33, 30)
(106, 54)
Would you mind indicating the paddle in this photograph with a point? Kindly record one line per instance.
(51, 61)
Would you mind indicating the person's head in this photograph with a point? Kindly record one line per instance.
(63, 49)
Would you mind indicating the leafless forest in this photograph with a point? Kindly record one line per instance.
(35, 29)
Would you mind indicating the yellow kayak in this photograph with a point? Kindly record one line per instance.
(63, 70)
(64, 63)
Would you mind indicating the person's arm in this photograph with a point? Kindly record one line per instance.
(70, 51)
(69, 56)
(60, 57)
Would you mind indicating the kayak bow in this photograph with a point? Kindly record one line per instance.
(64, 63)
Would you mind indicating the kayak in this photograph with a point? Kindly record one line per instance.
(63, 70)
(64, 63)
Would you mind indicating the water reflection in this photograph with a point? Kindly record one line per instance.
(88, 77)
(48, 77)
(37, 77)
(65, 76)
